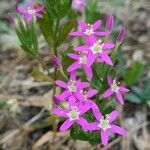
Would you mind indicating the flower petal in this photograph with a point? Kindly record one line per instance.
(73, 76)
(123, 89)
(91, 59)
(97, 24)
(84, 108)
(117, 129)
(108, 93)
(72, 101)
(92, 92)
(21, 9)
(63, 95)
(82, 122)
(113, 115)
(40, 8)
(104, 137)
(76, 33)
(120, 98)
(82, 48)
(109, 80)
(73, 67)
(73, 56)
(98, 33)
(90, 39)
(106, 58)
(94, 126)
(38, 15)
(88, 71)
(66, 125)
(60, 112)
(82, 24)
(97, 114)
(82, 85)
(61, 83)
(108, 45)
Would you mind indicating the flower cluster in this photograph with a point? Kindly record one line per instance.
(79, 95)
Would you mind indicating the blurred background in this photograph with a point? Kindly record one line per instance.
(25, 121)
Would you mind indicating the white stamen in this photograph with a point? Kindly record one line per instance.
(114, 86)
(31, 11)
(83, 60)
(90, 30)
(104, 123)
(96, 48)
(72, 86)
(74, 114)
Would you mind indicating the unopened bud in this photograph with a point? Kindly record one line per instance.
(109, 23)
(121, 35)
(56, 62)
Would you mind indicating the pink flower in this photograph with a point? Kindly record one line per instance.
(89, 31)
(31, 11)
(115, 88)
(79, 5)
(97, 51)
(86, 100)
(73, 115)
(82, 61)
(104, 125)
(72, 88)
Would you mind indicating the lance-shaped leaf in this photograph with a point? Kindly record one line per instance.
(27, 35)
(39, 76)
(46, 27)
(65, 31)
(58, 8)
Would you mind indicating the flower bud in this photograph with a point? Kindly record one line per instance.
(121, 35)
(56, 100)
(55, 61)
(109, 23)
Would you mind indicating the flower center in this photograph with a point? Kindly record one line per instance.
(31, 11)
(72, 86)
(90, 30)
(96, 48)
(104, 124)
(83, 60)
(74, 114)
(114, 86)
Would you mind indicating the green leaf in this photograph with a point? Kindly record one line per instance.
(65, 31)
(133, 73)
(65, 60)
(77, 133)
(58, 8)
(46, 27)
(39, 76)
(133, 98)
(27, 35)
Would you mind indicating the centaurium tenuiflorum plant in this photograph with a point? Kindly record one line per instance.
(85, 75)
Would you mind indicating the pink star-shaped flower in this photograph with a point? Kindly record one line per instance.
(89, 31)
(72, 88)
(73, 115)
(105, 125)
(31, 11)
(115, 89)
(82, 61)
